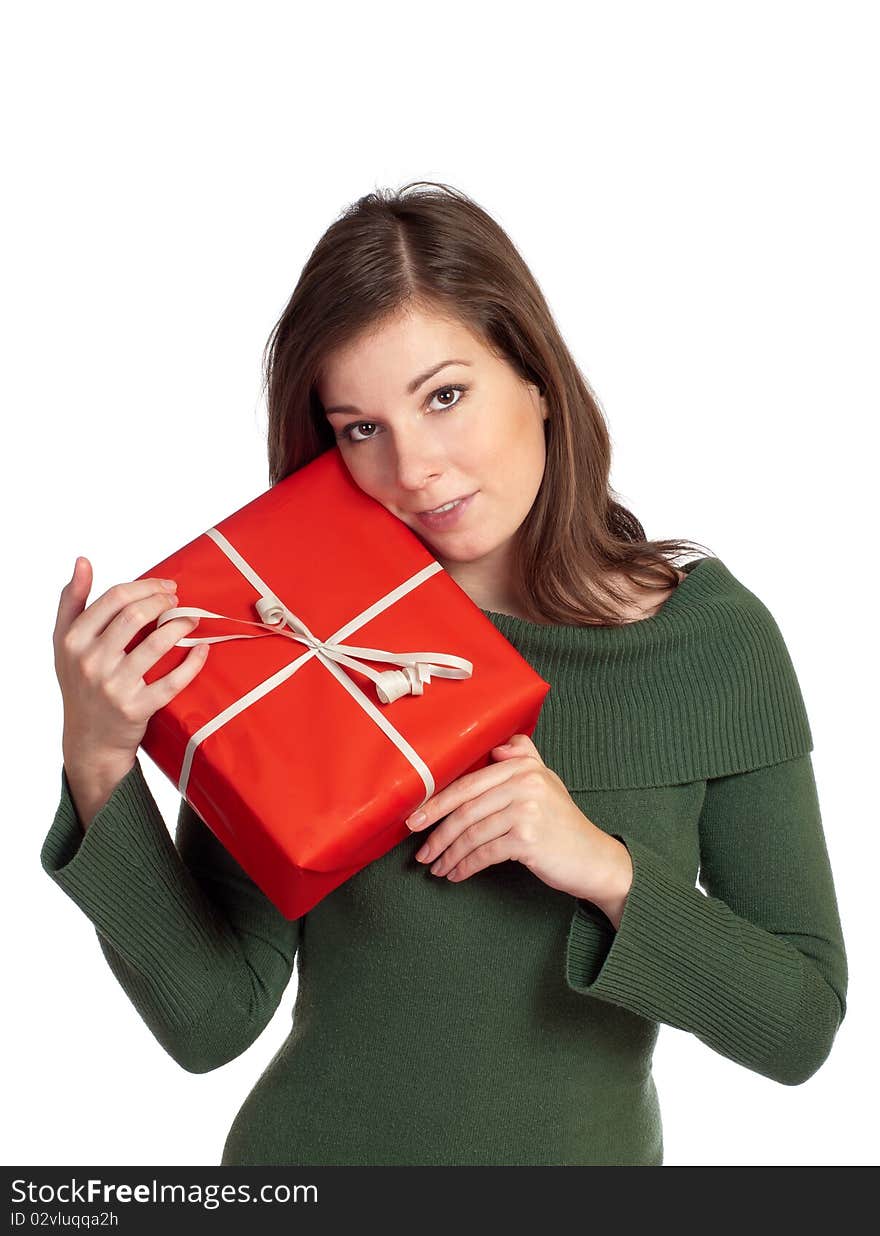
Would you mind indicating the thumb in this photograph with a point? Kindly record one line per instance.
(82, 576)
(75, 592)
(519, 744)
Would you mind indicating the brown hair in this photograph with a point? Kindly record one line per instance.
(436, 250)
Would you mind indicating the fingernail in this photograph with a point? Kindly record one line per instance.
(418, 818)
(170, 584)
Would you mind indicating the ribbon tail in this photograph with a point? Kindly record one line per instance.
(435, 660)
(391, 685)
(191, 611)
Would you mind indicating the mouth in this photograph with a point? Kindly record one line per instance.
(436, 510)
(447, 514)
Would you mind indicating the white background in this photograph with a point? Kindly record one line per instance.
(694, 187)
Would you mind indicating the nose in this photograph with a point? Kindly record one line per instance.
(417, 466)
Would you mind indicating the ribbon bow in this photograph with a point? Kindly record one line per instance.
(418, 667)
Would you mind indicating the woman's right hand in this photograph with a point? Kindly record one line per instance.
(107, 704)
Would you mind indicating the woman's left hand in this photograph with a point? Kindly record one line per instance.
(518, 808)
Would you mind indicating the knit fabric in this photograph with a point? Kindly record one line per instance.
(497, 1021)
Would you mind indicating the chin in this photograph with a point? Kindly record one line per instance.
(461, 553)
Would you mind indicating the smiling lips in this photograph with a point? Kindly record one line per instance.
(434, 510)
(445, 519)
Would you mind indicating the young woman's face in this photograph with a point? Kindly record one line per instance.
(414, 442)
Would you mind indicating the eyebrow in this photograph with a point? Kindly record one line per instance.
(413, 386)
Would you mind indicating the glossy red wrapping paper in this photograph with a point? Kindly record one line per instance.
(303, 787)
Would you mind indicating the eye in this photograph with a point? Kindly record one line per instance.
(458, 387)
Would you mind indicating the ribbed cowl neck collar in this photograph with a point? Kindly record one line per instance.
(703, 688)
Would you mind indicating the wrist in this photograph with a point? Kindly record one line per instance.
(92, 778)
(95, 762)
(616, 882)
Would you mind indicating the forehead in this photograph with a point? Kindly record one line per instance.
(391, 354)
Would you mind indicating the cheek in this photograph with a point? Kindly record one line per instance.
(360, 471)
(364, 480)
(527, 467)
(522, 452)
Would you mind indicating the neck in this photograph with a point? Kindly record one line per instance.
(487, 581)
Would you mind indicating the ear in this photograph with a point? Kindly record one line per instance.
(538, 394)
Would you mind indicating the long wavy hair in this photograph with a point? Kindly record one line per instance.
(434, 249)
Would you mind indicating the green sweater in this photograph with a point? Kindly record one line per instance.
(499, 1021)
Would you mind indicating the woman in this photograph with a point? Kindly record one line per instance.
(490, 991)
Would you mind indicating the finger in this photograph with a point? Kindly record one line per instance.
(499, 850)
(73, 597)
(466, 827)
(519, 744)
(163, 690)
(94, 620)
(460, 791)
(131, 619)
(504, 752)
(150, 650)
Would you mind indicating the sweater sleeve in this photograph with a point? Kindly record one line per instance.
(756, 968)
(198, 948)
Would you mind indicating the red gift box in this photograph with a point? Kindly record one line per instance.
(308, 738)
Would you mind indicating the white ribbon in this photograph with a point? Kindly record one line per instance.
(417, 667)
